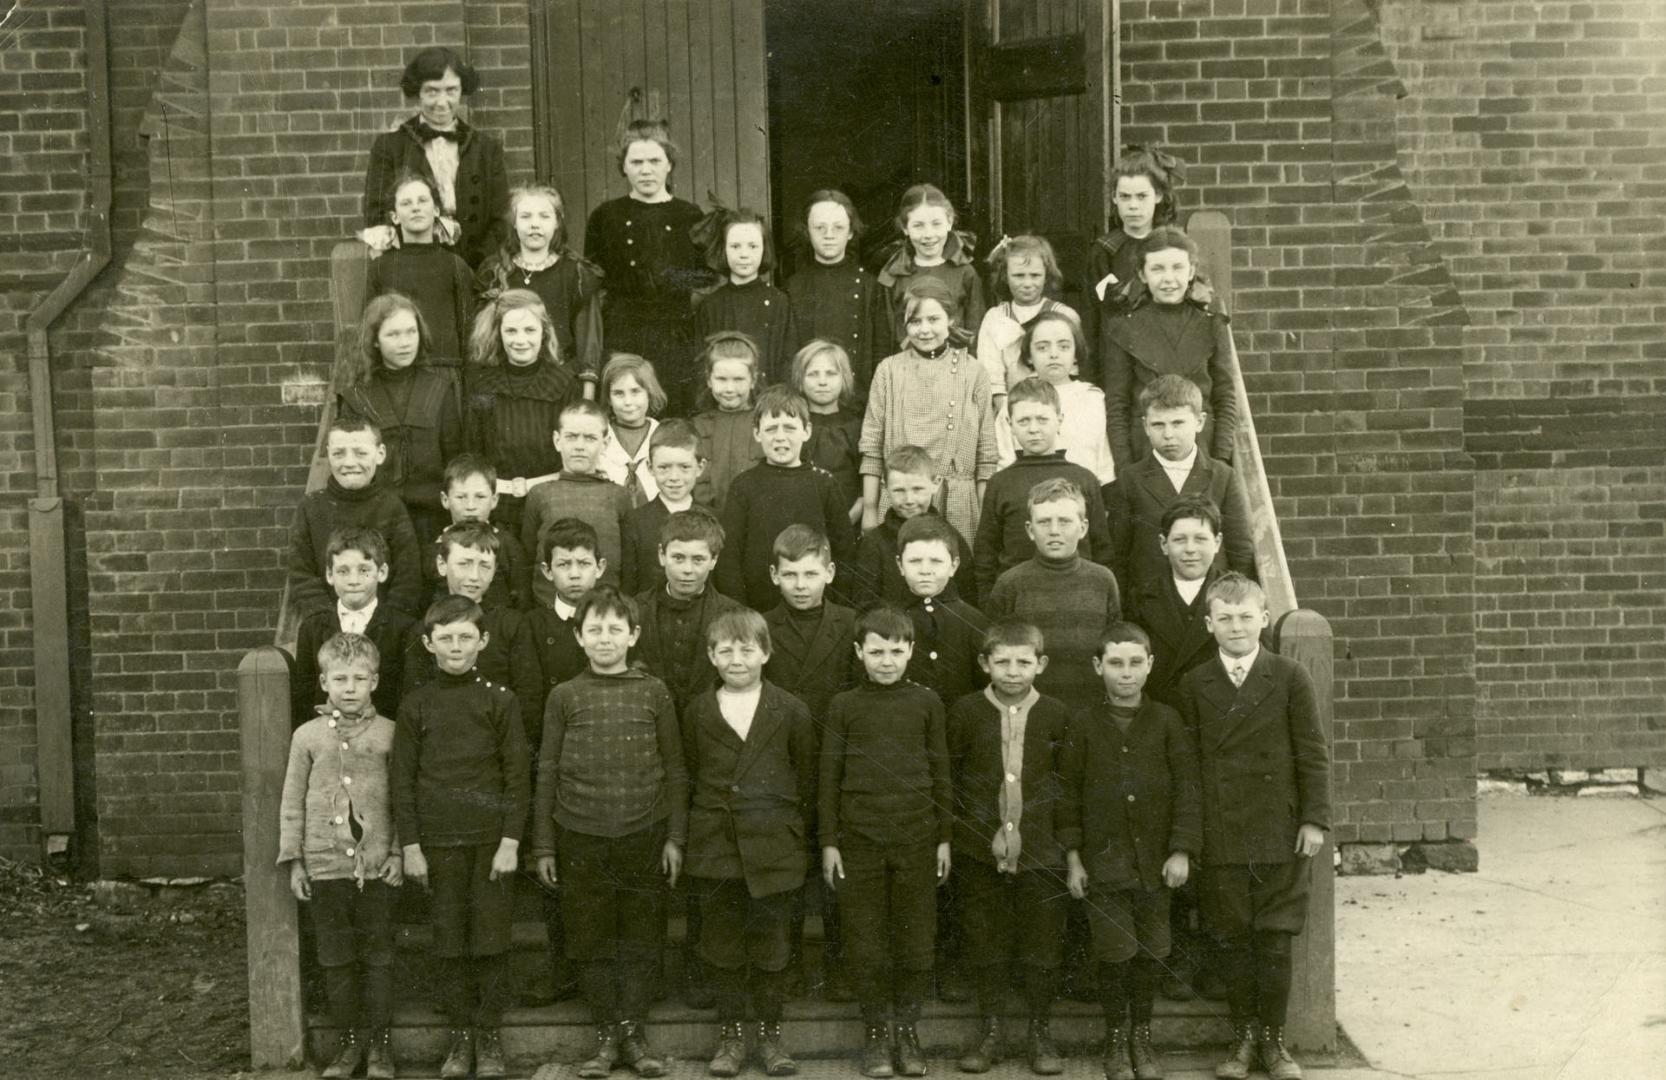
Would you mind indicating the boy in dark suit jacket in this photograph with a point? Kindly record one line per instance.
(1016, 816)
(1171, 609)
(674, 459)
(1266, 808)
(812, 660)
(1140, 833)
(752, 767)
(356, 566)
(1172, 407)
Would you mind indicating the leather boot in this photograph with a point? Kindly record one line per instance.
(635, 1051)
(911, 1061)
(985, 1052)
(459, 1058)
(1143, 1056)
(1116, 1053)
(599, 1064)
(771, 1054)
(731, 1050)
(1044, 1056)
(349, 1054)
(1275, 1058)
(488, 1054)
(379, 1063)
(1241, 1060)
(876, 1052)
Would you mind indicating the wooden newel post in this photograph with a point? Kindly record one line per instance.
(1305, 637)
(276, 1027)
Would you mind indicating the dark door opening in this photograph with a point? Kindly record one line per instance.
(869, 97)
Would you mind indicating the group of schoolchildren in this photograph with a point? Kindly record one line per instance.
(733, 648)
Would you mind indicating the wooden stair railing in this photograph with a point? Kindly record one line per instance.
(277, 1025)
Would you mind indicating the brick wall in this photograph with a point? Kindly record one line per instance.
(1534, 137)
(1349, 332)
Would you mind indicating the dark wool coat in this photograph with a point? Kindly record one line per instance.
(680, 661)
(844, 304)
(1137, 498)
(753, 800)
(821, 669)
(1147, 342)
(322, 512)
(1265, 763)
(386, 630)
(482, 183)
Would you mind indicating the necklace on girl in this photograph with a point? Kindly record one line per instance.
(527, 269)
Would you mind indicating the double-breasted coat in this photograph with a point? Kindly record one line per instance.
(1140, 494)
(819, 668)
(1139, 794)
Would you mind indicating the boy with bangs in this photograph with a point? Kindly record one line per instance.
(884, 824)
(1172, 409)
(1003, 539)
(674, 459)
(911, 485)
(676, 616)
(466, 561)
(356, 568)
(948, 631)
(571, 562)
(460, 796)
(353, 447)
(1254, 717)
(609, 823)
(469, 494)
(778, 492)
(580, 490)
(1015, 818)
(751, 752)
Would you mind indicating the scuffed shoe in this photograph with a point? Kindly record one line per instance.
(459, 1059)
(730, 1057)
(911, 1061)
(1241, 1060)
(985, 1053)
(1044, 1056)
(635, 1051)
(876, 1052)
(348, 1056)
(379, 1063)
(1117, 1066)
(771, 1054)
(1142, 1055)
(1275, 1058)
(488, 1054)
(599, 1064)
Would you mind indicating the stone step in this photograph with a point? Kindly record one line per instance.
(812, 1030)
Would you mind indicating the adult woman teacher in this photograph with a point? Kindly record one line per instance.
(650, 263)
(465, 165)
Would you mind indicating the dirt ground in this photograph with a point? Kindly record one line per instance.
(127, 982)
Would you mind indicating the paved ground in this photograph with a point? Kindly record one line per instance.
(1549, 964)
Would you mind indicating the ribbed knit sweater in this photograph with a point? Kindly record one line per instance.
(885, 767)
(594, 500)
(763, 501)
(1071, 602)
(1002, 542)
(321, 513)
(460, 769)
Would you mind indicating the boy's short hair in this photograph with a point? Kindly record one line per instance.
(740, 624)
(1012, 633)
(911, 461)
(367, 542)
(1170, 392)
(581, 407)
(690, 526)
(352, 424)
(1035, 389)
(465, 465)
(886, 622)
(1057, 490)
(342, 649)
(1120, 633)
(675, 434)
(570, 533)
(1234, 588)
(607, 600)
(453, 609)
(928, 528)
(801, 541)
(467, 534)
(781, 400)
(1200, 507)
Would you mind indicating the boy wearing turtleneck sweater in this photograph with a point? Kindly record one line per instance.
(674, 459)
(580, 491)
(1069, 598)
(354, 450)
(1003, 541)
(911, 483)
(780, 492)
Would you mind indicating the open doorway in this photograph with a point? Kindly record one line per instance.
(867, 96)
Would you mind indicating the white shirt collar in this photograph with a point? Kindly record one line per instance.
(1188, 590)
(676, 506)
(564, 609)
(1177, 470)
(1247, 660)
(354, 622)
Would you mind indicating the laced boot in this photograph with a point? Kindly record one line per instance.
(635, 1051)
(1044, 1056)
(1275, 1058)
(876, 1051)
(599, 1064)
(985, 1053)
(1117, 1066)
(379, 1063)
(1143, 1056)
(349, 1053)
(911, 1060)
(459, 1058)
(731, 1050)
(1241, 1060)
(771, 1054)
(488, 1054)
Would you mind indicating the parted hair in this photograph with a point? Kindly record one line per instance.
(1170, 392)
(885, 622)
(740, 624)
(485, 342)
(607, 600)
(623, 365)
(1024, 246)
(654, 131)
(478, 535)
(800, 541)
(357, 366)
(570, 533)
(432, 63)
(367, 542)
(692, 526)
(1197, 507)
(1035, 389)
(1120, 633)
(1056, 315)
(1234, 588)
(837, 198)
(341, 649)
(820, 347)
(1166, 237)
(1013, 632)
(452, 609)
